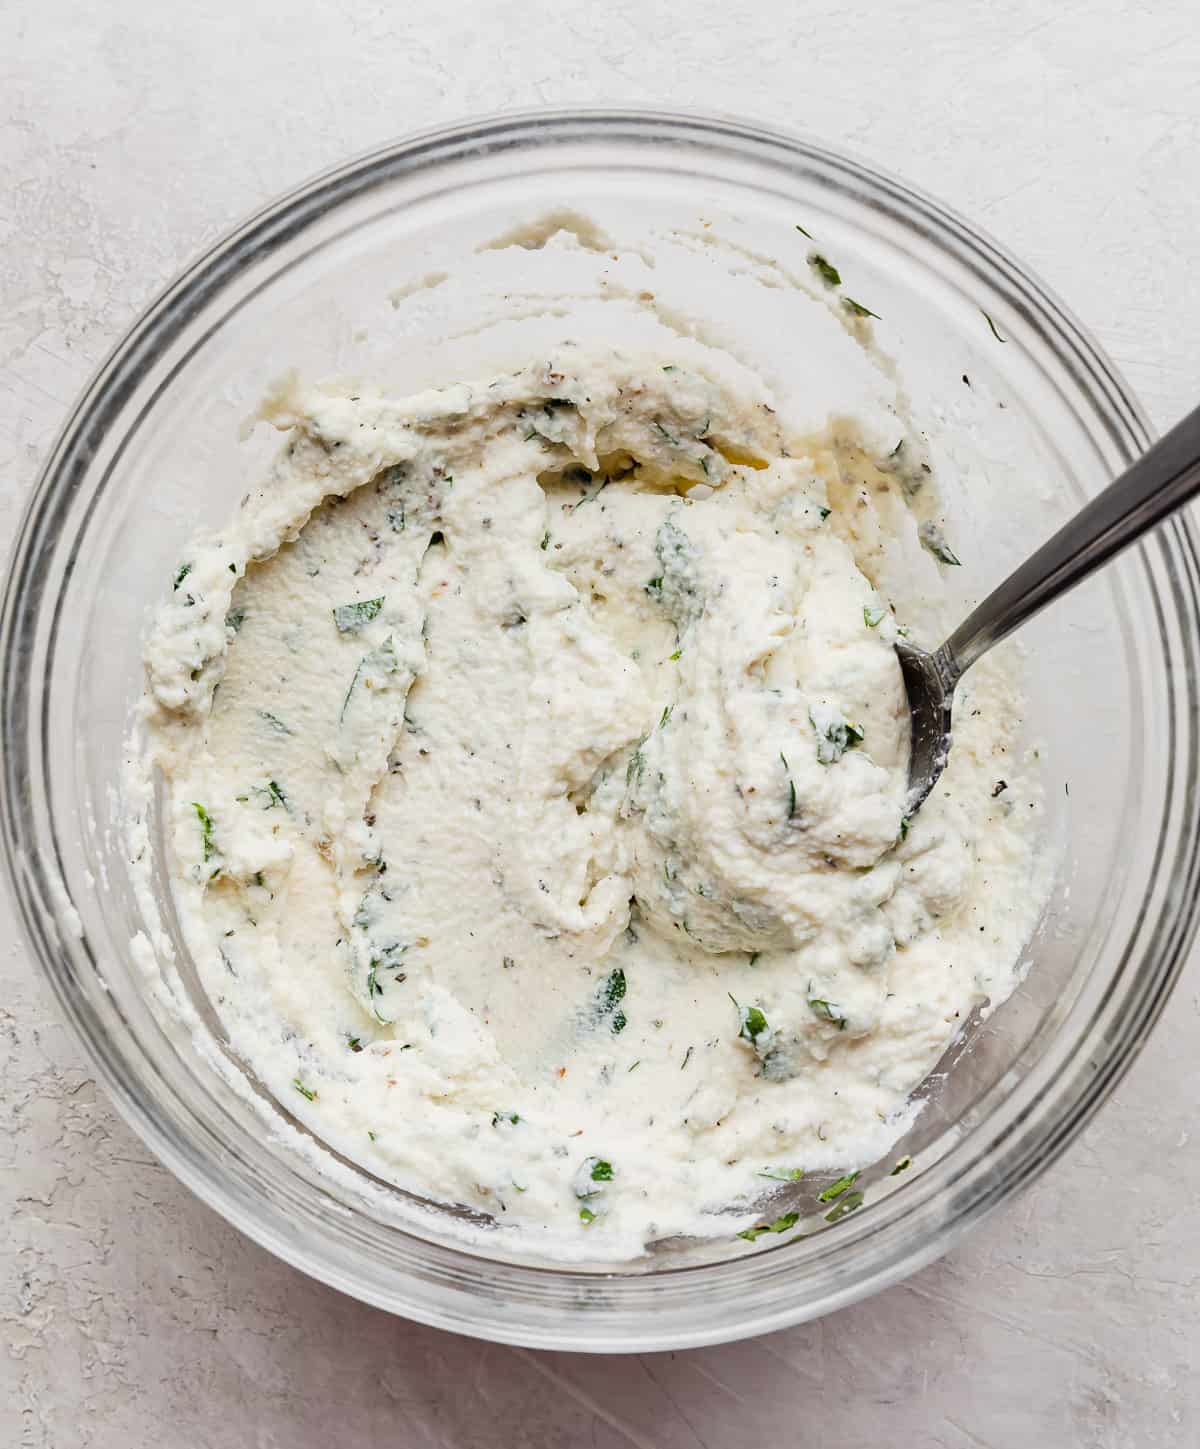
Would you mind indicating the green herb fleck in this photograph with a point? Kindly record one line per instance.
(634, 1066)
(849, 1204)
(791, 786)
(654, 588)
(181, 573)
(835, 1189)
(687, 1056)
(545, 543)
(609, 996)
(802, 232)
(754, 955)
(235, 619)
(354, 1043)
(591, 1179)
(824, 269)
(872, 618)
(270, 794)
(670, 367)
(303, 1090)
(824, 512)
(206, 830)
(677, 655)
(751, 1021)
(512, 1118)
(370, 1134)
(992, 325)
(350, 618)
(827, 1012)
(933, 539)
(666, 432)
(635, 768)
(589, 497)
(835, 735)
(786, 1174)
(858, 310)
(274, 721)
(668, 710)
(905, 1162)
(905, 822)
(586, 1215)
(780, 1225)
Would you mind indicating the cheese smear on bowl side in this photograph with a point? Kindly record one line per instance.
(535, 756)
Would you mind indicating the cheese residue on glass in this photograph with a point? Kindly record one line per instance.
(535, 755)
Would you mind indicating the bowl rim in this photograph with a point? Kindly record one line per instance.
(31, 876)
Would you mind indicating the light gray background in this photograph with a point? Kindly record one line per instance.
(133, 134)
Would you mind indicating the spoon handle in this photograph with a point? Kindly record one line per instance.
(1161, 480)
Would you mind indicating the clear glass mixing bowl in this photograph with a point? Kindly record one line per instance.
(151, 451)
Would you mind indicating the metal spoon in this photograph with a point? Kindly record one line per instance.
(1161, 480)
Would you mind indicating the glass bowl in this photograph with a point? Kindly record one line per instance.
(1033, 418)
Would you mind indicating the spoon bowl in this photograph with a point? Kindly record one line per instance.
(1163, 479)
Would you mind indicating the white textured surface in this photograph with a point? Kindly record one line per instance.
(132, 135)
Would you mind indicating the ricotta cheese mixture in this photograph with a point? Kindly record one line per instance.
(535, 760)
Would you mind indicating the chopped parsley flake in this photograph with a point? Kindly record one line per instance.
(780, 1225)
(181, 573)
(274, 721)
(872, 618)
(835, 1189)
(835, 734)
(905, 1162)
(827, 1012)
(824, 269)
(350, 618)
(512, 1118)
(751, 1021)
(608, 998)
(206, 830)
(849, 1204)
(303, 1090)
(591, 1179)
(858, 310)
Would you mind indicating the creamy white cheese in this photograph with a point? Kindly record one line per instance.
(535, 753)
